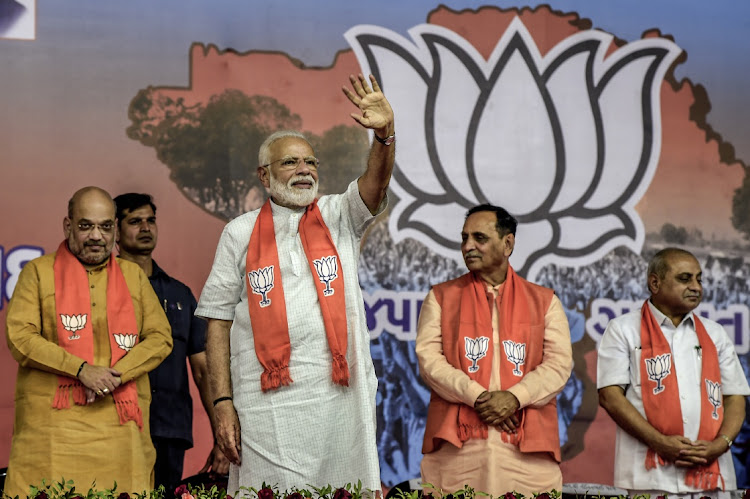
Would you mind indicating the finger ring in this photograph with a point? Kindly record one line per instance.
(106, 390)
(99, 392)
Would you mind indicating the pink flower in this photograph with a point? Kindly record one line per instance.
(181, 489)
(342, 494)
(187, 495)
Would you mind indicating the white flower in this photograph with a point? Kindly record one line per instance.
(126, 341)
(568, 142)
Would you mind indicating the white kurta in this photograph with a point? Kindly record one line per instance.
(312, 432)
(619, 358)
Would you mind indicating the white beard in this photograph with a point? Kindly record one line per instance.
(286, 195)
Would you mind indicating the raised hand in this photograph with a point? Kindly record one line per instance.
(376, 112)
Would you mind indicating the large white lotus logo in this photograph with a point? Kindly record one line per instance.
(568, 142)
(126, 341)
(73, 323)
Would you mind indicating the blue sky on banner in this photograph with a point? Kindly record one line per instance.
(150, 40)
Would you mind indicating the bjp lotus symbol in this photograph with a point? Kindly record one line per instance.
(327, 269)
(568, 142)
(126, 341)
(73, 323)
(476, 348)
(261, 282)
(658, 368)
(713, 391)
(515, 353)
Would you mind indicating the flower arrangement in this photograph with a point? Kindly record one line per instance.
(67, 490)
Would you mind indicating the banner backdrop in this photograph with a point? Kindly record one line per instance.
(610, 129)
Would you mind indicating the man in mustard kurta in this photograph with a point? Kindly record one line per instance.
(85, 329)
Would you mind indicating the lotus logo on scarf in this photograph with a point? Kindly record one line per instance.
(126, 341)
(327, 268)
(475, 350)
(73, 323)
(261, 282)
(568, 142)
(658, 368)
(516, 354)
(713, 391)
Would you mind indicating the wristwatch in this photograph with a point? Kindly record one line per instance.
(386, 141)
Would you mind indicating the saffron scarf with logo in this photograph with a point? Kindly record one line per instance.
(75, 331)
(268, 312)
(663, 407)
(475, 325)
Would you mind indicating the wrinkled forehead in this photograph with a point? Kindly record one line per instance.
(290, 146)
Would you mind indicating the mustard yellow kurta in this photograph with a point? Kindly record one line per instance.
(85, 444)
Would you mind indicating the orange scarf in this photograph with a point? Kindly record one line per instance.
(475, 341)
(661, 395)
(75, 332)
(268, 311)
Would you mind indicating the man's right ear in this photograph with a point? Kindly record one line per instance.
(653, 283)
(263, 174)
(67, 226)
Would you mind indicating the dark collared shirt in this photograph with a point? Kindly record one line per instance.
(171, 404)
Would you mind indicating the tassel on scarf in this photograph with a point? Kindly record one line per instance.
(271, 380)
(128, 411)
(340, 373)
(465, 431)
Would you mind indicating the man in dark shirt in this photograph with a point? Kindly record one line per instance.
(171, 404)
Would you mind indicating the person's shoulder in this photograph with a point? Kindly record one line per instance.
(128, 267)
(715, 330)
(44, 263)
(242, 223)
(632, 317)
(460, 281)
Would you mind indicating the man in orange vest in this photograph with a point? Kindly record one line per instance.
(495, 350)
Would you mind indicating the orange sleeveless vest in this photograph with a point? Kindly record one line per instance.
(539, 423)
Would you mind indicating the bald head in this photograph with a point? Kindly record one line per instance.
(659, 264)
(89, 227)
(674, 281)
(85, 193)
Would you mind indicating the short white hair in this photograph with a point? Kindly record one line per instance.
(264, 156)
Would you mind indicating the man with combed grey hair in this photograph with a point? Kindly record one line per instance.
(672, 382)
(287, 346)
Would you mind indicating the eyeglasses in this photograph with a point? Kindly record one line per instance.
(105, 228)
(292, 163)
